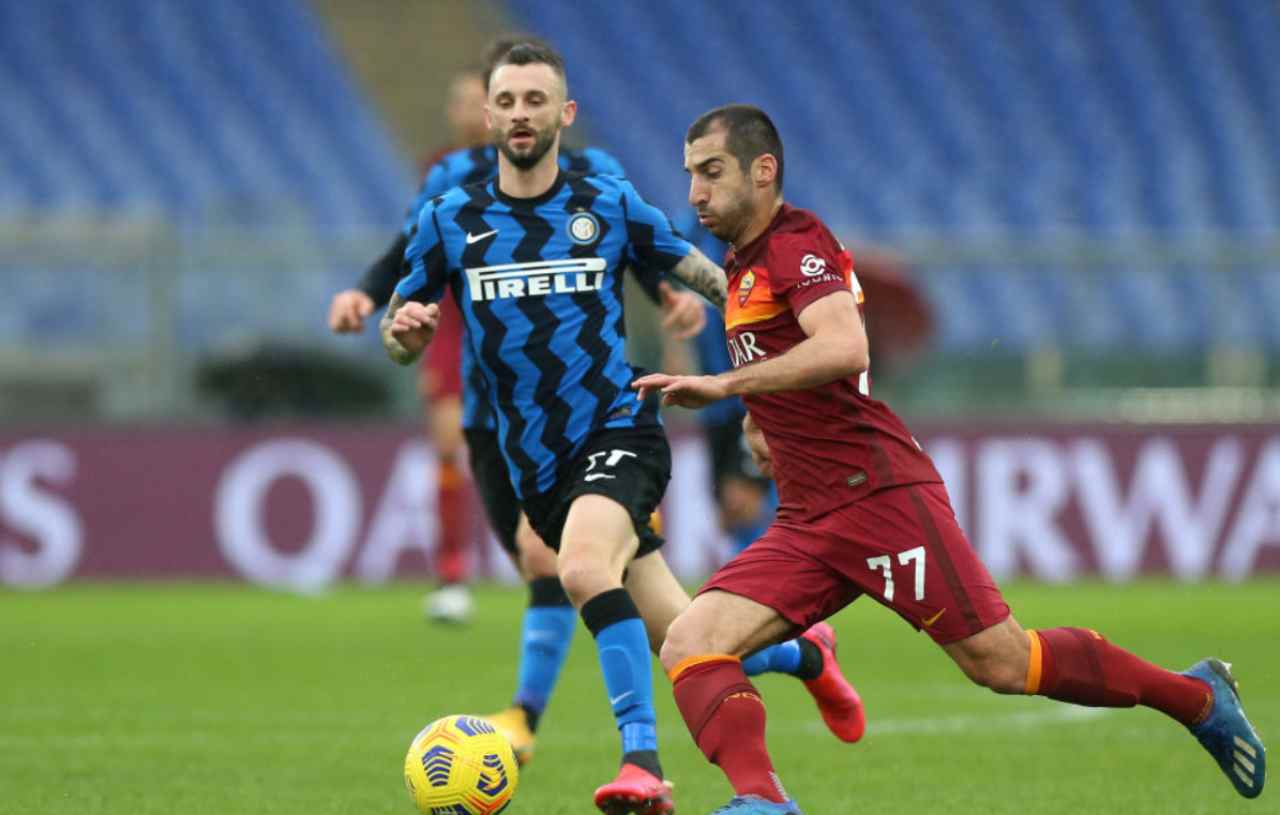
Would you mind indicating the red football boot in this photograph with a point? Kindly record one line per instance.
(637, 791)
(839, 703)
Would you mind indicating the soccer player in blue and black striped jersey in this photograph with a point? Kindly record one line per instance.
(549, 620)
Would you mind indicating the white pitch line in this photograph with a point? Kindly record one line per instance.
(972, 722)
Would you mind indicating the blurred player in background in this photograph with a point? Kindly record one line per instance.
(862, 511)
(535, 258)
(440, 380)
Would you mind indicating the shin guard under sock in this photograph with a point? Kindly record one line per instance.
(1079, 665)
(726, 717)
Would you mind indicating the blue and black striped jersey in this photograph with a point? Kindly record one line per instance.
(539, 284)
(472, 165)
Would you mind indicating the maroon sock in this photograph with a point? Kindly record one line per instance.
(455, 523)
(1078, 665)
(726, 716)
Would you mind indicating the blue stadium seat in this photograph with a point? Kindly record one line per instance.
(226, 110)
(1102, 118)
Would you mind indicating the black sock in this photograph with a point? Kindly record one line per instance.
(645, 760)
(810, 660)
(547, 591)
(531, 717)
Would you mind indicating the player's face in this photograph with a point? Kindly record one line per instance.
(526, 110)
(718, 188)
(466, 109)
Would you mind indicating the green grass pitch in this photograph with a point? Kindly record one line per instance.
(224, 699)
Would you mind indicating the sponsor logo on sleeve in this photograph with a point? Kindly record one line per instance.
(811, 265)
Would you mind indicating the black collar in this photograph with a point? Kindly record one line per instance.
(529, 203)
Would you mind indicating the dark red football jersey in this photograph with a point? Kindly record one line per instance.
(831, 444)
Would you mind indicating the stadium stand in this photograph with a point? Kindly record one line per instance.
(225, 137)
(1096, 174)
(231, 111)
(1055, 122)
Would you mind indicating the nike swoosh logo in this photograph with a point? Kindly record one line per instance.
(597, 476)
(613, 700)
(474, 238)
(934, 618)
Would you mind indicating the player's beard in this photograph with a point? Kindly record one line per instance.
(527, 160)
(731, 221)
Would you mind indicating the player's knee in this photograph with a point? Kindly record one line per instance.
(584, 578)
(998, 674)
(684, 639)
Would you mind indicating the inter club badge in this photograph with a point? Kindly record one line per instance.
(583, 228)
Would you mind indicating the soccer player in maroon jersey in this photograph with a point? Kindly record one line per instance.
(862, 509)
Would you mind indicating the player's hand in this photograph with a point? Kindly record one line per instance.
(758, 446)
(682, 313)
(683, 391)
(348, 310)
(414, 324)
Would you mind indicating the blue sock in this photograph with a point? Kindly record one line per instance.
(782, 658)
(544, 644)
(623, 648)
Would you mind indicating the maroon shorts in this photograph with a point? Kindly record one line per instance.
(441, 369)
(900, 545)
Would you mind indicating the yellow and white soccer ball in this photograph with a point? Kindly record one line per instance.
(460, 765)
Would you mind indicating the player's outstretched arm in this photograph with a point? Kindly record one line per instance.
(380, 279)
(835, 348)
(697, 272)
(407, 328)
(347, 311)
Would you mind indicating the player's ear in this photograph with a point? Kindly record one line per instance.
(764, 169)
(488, 120)
(568, 113)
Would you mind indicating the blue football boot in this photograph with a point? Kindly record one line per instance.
(755, 805)
(1226, 733)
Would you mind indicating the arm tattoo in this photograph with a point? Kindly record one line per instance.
(704, 277)
(395, 350)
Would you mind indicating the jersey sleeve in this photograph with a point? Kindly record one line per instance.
(603, 163)
(436, 183)
(653, 244)
(426, 269)
(806, 267)
(379, 280)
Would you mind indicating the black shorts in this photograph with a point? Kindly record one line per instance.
(489, 471)
(730, 456)
(630, 465)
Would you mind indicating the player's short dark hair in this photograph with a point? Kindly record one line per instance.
(521, 49)
(749, 134)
